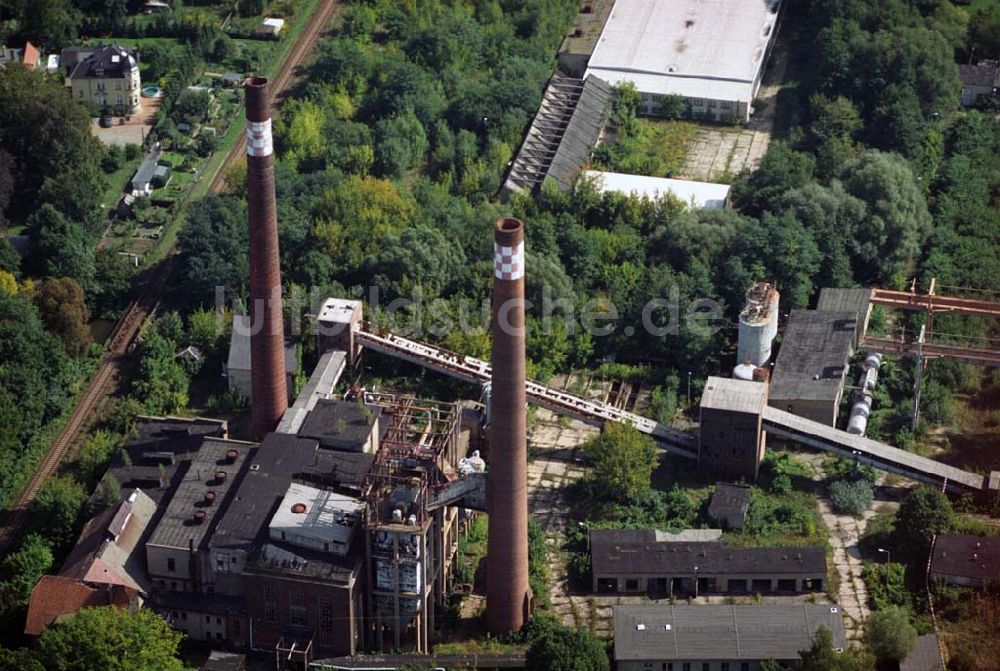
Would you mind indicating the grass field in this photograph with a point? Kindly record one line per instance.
(116, 183)
(657, 148)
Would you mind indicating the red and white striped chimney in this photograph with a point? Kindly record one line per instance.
(267, 339)
(508, 595)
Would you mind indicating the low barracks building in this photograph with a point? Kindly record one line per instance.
(718, 638)
(645, 561)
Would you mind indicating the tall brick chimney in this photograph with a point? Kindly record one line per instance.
(267, 339)
(508, 595)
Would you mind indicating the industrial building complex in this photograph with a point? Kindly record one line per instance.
(335, 528)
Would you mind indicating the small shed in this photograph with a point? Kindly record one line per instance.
(271, 27)
(729, 505)
(232, 79)
(161, 176)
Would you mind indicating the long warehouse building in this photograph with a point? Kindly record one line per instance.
(710, 52)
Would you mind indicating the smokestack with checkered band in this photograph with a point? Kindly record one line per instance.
(267, 338)
(508, 596)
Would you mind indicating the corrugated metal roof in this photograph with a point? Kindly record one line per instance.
(695, 194)
(724, 393)
(752, 632)
(562, 135)
(615, 556)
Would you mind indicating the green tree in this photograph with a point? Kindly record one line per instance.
(214, 245)
(564, 649)
(890, 634)
(206, 330)
(58, 509)
(48, 135)
(61, 305)
(782, 169)
(924, 512)
(96, 452)
(896, 220)
(60, 248)
(304, 139)
(111, 639)
(821, 655)
(122, 416)
(673, 106)
(400, 143)
(21, 570)
(622, 461)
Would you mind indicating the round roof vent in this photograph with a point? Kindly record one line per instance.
(220, 476)
(298, 508)
(199, 516)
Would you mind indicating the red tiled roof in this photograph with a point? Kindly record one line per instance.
(55, 596)
(31, 55)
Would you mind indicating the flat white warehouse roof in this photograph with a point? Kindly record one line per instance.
(697, 194)
(695, 48)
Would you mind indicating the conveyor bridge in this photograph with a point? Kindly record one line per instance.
(477, 371)
(776, 422)
(866, 451)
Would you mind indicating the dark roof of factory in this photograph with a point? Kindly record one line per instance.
(814, 354)
(158, 450)
(968, 556)
(834, 299)
(212, 469)
(339, 424)
(623, 552)
(220, 660)
(280, 459)
(729, 500)
(752, 632)
(274, 557)
(587, 27)
(220, 604)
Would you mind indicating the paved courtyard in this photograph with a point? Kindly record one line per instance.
(719, 153)
(130, 131)
(554, 445)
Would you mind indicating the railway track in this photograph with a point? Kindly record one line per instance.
(139, 311)
(282, 81)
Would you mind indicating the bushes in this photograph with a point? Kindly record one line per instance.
(554, 647)
(886, 585)
(622, 462)
(851, 497)
(538, 564)
(889, 633)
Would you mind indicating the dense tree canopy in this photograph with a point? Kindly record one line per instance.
(622, 461)
(111, 639)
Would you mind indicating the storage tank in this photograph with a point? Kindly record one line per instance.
(758, 324)
(744, 371)
(857, 423)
